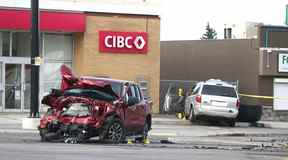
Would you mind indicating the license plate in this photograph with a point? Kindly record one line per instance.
(220, 104)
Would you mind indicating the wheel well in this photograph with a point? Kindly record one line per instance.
(149, 120)
(111, 116)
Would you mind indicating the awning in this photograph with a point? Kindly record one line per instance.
(11, 19)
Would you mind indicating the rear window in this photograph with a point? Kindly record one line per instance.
(219, 91)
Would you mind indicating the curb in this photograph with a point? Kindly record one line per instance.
(274, 125)
(5, 131)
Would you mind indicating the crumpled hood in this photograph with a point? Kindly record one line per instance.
(69, 80)
(71, 83)
(59, 103)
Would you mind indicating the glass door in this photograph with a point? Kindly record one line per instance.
(1, 87)
(26, 86)
(13, 86)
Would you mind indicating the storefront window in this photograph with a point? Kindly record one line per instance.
(21, 44)
(58, 47)
(52, 78)
(58, 50)
(4, 43)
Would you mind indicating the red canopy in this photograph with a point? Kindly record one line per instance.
(11, 19)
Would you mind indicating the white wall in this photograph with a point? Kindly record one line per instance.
(145, 7)
(280, 88)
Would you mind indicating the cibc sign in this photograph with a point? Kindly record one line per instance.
(123, 42)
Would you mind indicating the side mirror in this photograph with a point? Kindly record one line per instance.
(132, 101)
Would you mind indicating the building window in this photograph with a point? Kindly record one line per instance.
(4, 43)
(15, 44)
(58, 50)
(58, 47)
(21, 44)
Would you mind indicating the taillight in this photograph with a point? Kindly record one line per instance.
(198, 99)
(238, 104)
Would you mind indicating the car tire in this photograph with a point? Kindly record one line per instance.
(231, 123)
(42, 133)
(115, 132)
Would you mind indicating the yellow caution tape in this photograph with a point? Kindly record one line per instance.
(263, 97)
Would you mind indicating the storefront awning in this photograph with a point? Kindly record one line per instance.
(49, 20)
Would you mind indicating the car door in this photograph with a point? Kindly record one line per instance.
(141, 109)
(133, 113)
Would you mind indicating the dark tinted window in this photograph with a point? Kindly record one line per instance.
(196, 90)
(139, 91)
(116, 87)
(219, 91)
(90, 93)
(137, 94)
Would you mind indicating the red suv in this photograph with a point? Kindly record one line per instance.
(88, 107)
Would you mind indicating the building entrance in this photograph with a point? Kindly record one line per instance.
(15, 82)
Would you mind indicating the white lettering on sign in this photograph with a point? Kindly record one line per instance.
(106, 41)
(283, 62)
(122, 42)
(128, 41)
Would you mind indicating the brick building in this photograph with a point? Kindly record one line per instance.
(94, 38)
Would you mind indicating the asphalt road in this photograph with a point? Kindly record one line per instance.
(191, 141)
(60, 151)
(27, 146)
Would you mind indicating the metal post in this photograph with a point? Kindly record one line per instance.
(34, 107)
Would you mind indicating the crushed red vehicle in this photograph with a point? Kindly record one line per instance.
(88, 107)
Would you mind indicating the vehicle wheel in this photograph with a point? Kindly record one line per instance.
(42, 133)
(231, 123)
(115, 132)
(192, 116)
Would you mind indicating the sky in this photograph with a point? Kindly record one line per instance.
(186, 19)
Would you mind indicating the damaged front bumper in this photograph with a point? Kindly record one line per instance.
(68, 133)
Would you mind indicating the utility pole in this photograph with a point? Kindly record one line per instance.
(34, 105)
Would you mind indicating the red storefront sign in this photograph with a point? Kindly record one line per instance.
(123, 42)
(11, 19)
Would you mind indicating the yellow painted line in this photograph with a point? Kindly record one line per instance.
(263, 97)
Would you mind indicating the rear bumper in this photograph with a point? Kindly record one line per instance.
(216, 111)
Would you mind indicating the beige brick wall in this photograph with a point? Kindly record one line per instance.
(88, 60)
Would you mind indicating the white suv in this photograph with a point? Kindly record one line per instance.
(213, 99)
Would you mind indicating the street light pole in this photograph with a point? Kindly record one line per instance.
(34, 105)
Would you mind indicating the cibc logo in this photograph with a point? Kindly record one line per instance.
(122, 42)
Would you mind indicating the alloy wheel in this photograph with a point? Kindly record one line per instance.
(115, 132)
